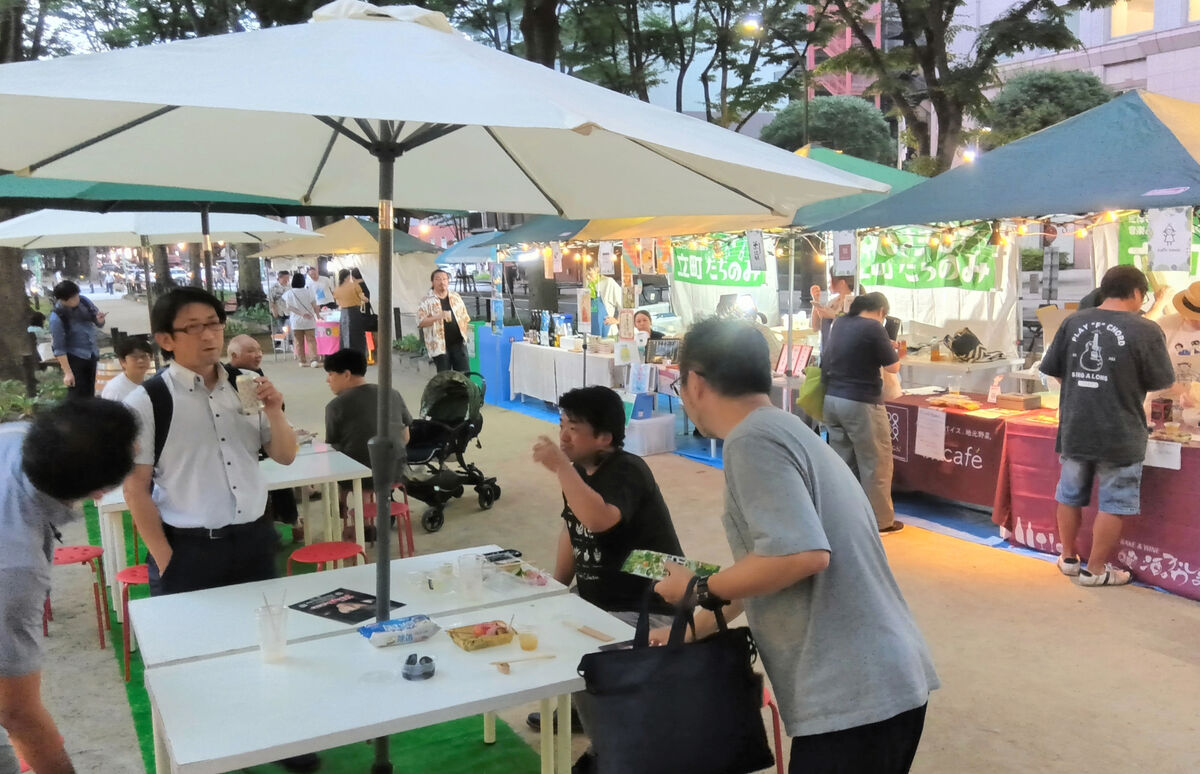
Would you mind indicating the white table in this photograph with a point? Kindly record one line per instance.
(546, 373)
(220, 621)
(230, 712)
(919, 370)
(319, 468)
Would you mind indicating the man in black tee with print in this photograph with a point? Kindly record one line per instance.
(1108, 358)
(612, 505)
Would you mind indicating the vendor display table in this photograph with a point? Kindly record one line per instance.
(918, 370)
(546, 373)
(339, 690)
(971, 464)
(1161, 547)
(329, 336)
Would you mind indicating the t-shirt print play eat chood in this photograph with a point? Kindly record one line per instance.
(1107, 362)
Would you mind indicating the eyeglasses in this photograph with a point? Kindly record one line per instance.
(195, 329)
(682, 381)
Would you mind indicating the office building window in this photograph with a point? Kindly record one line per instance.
(1130, 17)
(1193, 10)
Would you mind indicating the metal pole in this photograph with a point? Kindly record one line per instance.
(787, 376)
(149, 297)
(208, 258)
(381, 448)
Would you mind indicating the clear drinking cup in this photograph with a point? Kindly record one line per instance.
(247, 390)
(528, 637)
(272, 632)
(470, 575)
(955, 384)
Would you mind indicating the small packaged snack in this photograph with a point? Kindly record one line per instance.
(414, 628)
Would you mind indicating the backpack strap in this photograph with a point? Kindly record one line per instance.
(163, 407)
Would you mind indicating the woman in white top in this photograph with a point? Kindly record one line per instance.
(135, 356)
(301, 305)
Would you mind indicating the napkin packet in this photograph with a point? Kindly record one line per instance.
(413, 628)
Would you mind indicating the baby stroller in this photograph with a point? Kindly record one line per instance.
(450, 419)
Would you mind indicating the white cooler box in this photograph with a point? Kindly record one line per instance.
(655, 435)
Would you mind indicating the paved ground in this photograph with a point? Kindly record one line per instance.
(1038, 674)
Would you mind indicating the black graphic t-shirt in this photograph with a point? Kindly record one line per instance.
(1107, 362)
(624, 481)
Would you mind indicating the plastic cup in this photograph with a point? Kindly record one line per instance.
(528, 637)
(272, 633)
(247, 390)
(955, 384)
(470, 575)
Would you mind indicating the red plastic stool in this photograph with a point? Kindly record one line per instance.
(401, 513)
(321, 553)
(130, 576)
(89, 555)
(769, 701)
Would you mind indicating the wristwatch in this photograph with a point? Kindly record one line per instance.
(706, 599)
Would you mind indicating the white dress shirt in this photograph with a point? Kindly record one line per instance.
(208, 475)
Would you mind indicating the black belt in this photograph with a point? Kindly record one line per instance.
(219, 533)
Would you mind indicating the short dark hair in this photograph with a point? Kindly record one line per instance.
(731, 355)
(298, 280)
(598, 407)
(1121, 281)
(343, 275)
(436, 272)
(849, 280)
(65, 290)
(283, 273)
(643, 311)
(869, 302)
(37, 319)
(79, 447)
(346, 360)
(166, 308)
(355, 273)
(130, 344)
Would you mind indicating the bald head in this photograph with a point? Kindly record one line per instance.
(244, 352)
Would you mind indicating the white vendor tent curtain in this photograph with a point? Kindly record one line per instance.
(692, 302)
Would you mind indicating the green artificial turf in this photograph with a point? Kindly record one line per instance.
(448, 748)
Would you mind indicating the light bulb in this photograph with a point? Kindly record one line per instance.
(1022, 229)
(1080, 233)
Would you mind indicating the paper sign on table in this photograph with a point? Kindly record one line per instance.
(1163, 454)
(625, 353)
(931, 433)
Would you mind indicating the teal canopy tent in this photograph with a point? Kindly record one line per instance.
(544, 228)
(829, 209)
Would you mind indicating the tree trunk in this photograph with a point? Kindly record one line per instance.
(949, 136)
(14, 310)
(196, 263)
(162, 271)
(250, 290)
(539, 26)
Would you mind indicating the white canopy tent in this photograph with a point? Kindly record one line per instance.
(45, 229)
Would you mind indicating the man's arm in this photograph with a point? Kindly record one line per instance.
(564, 562)
(58, 344)
(587, 504)
(30, 726)
(282, 446)
(145, 514)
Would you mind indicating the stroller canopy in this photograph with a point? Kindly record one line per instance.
(452, 398)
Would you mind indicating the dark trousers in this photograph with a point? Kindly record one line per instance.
(246, 553)
(84, 370)
(886, 747)
(455, 359)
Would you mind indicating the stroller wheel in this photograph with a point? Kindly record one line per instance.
(495, 491)
(487, 497)
(433, 519)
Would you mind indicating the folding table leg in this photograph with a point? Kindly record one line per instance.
(547, 737)
(562, 735)
(360, 535)
(162, 757)
(489, 728)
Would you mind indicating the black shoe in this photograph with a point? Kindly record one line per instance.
(534, 721)
(895, 526)
(585, 765)
(301, 763)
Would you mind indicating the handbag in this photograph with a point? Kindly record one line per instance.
(369, 318)
(684, 707)
(967, 348)
(811, 395)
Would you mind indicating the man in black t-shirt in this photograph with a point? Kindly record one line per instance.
(612, 505)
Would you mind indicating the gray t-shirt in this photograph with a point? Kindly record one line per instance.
(841, 647)
(1107, 362)
(27, 517)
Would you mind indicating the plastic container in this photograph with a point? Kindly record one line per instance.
(655, 435)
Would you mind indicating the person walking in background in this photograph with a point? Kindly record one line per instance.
(351, 300)
(301, 305)
(135, 355)
(855, 350)
(73, 329)
(846, 659)
(443, 319)
(1108, 358)
(78, 449)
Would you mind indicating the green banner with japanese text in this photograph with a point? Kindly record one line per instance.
(905, 258)
(717, 263)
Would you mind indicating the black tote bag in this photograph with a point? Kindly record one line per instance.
(683, 707)
(370, 320)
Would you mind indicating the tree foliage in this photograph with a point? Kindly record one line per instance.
(1032, 101)
(921, 68)
(848, 124)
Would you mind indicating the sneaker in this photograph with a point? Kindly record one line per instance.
(534, 721)
(892, 528)
(585, 765)
(308, 762)
(1069, 567)
(1112, 576)
(316, 364)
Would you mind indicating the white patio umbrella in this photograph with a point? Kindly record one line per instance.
(46, 229)
(315, 111)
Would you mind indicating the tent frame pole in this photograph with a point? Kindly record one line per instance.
(787, 378)
(208, 251)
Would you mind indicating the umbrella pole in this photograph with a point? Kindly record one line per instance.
(145, 252)
(382, 451)
(787, 384)
(208, 259)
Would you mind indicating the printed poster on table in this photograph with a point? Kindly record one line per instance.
(642, 378)
(604, 258)
(341, 605)
(906, 259)
(1133, 244)
(931, 434)
(626, 353)
(716, 264)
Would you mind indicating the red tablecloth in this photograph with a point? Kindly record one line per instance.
(972, 461)
(1161, 547)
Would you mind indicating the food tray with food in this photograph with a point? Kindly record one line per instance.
(478, 636)
(954, 401)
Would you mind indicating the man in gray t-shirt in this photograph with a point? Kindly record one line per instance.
(1108, 358)
(76, 450)
(851, 671)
